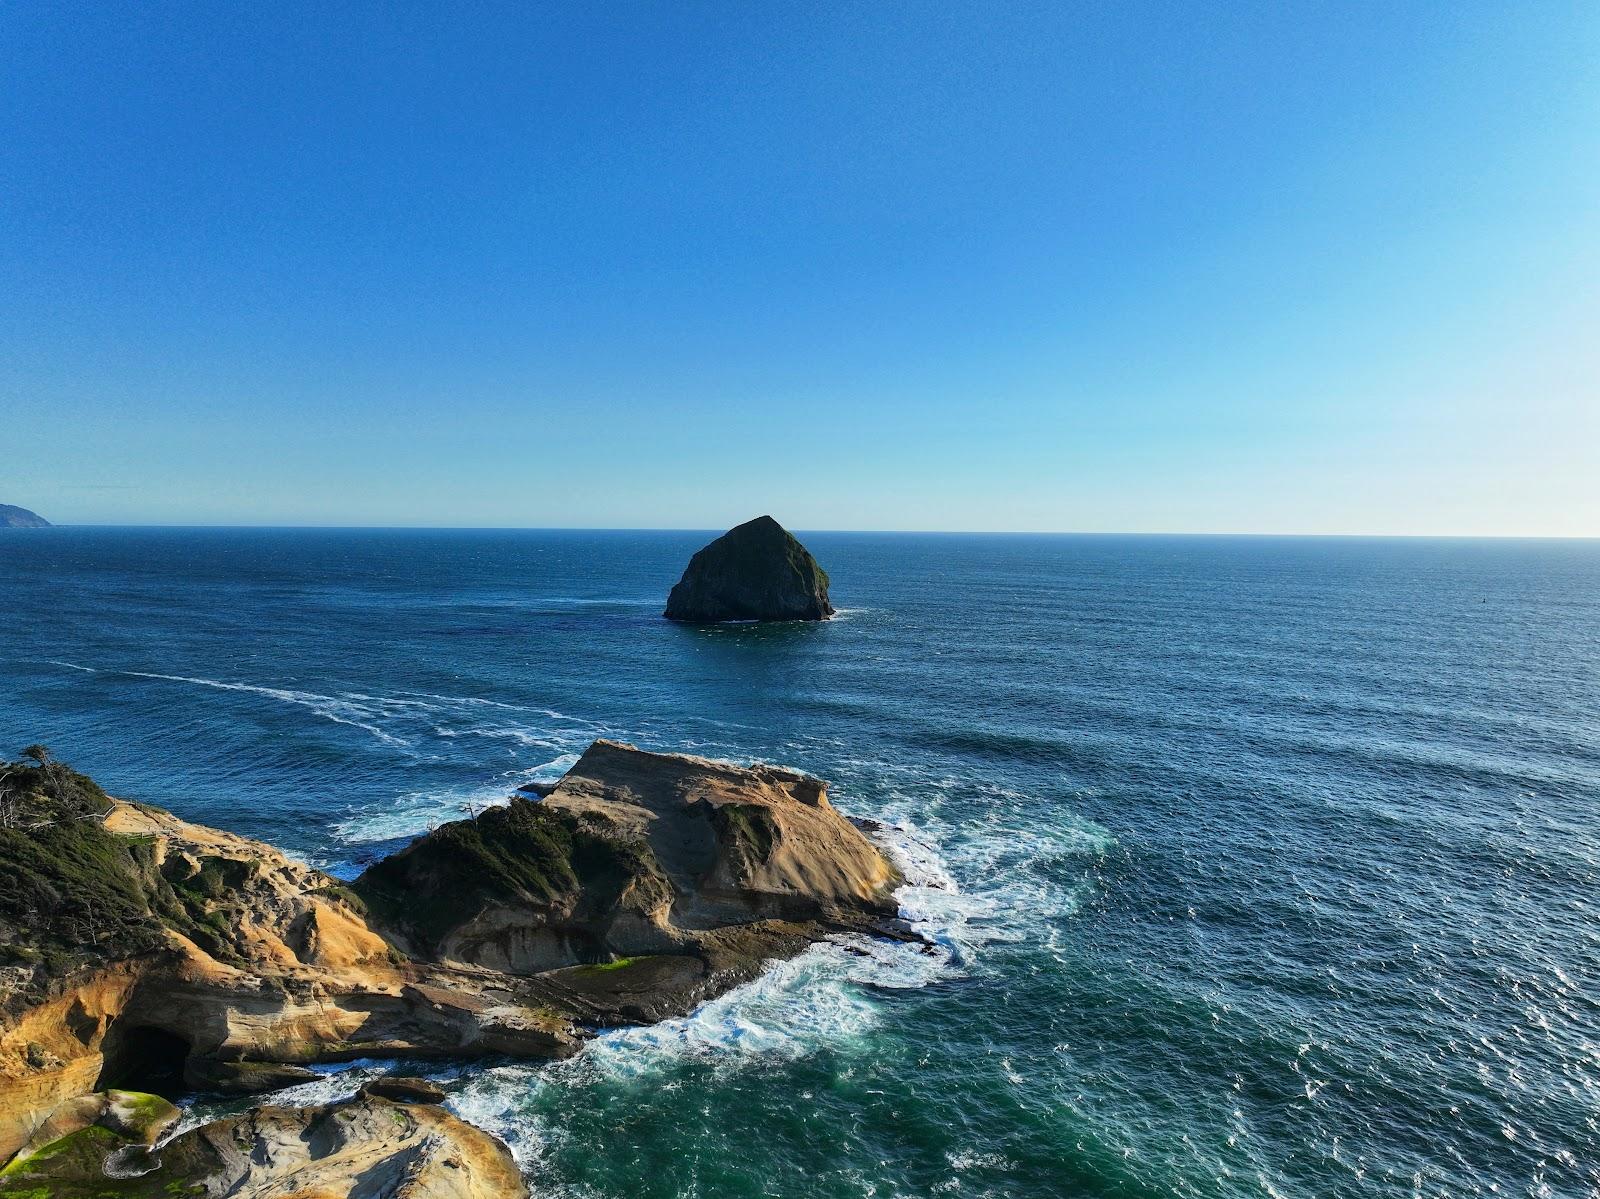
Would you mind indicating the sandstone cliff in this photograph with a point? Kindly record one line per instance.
(366, 1148)
(631, 853)
(144, 952)
(150, 953)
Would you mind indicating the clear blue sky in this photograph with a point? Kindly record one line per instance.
(1173, 267)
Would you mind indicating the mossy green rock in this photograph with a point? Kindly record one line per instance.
(104, 1160)
(756, 571)
(138, 1115)
(366, 1147)
(73, 893)
(526, 855)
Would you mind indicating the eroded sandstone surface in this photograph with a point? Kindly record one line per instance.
(632, 853)
(368, 1147)
(141, 951)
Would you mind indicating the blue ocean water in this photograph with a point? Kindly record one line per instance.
(1259, 866)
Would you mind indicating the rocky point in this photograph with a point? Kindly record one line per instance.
(141, 953)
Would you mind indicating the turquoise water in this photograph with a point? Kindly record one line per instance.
(1257, 866)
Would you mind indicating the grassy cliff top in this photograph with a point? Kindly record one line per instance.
(72, 889)
(74, 893)
(524, 853)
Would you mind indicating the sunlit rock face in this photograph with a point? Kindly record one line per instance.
(364, 1147)
(177, 957)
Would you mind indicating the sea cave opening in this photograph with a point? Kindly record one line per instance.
(144, 1058)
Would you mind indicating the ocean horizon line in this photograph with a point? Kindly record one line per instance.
(1262, 535)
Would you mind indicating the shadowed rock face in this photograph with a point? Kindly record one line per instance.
(757, 571)
(13, 517)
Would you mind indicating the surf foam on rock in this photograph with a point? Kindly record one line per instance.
(415, 812)
(830, 996)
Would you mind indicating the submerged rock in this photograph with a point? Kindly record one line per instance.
(401, 1089)
(757, 571)
(244, 1078)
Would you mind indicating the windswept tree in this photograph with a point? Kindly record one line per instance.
(12, 795)
(39, 791)
(55, 773)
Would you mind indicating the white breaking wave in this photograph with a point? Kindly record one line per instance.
(409, 722)
(416, 812)
(472, 701)
(403, 721)
(973, 885)
(517, 736)
(822, 998)
(340, 711)
(338, 1081)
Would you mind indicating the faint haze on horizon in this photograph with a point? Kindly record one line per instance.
(1144, 268)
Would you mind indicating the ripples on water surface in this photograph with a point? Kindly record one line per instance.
(1257, 866)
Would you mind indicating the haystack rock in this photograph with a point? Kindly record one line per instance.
(757, 571)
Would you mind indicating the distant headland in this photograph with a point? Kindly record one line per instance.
(13, 517)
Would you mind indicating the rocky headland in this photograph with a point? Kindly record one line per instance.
(756, 571)
(140, 953)
(13, 517)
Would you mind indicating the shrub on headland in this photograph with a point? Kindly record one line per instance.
(73, 891)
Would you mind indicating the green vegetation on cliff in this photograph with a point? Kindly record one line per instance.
(75, 893)
(73, 1167)
(71, 889)
(749, 828)
(523, 854)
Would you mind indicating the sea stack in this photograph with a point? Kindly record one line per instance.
(757, 571)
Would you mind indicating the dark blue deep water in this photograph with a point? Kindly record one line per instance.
(1261, 866)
